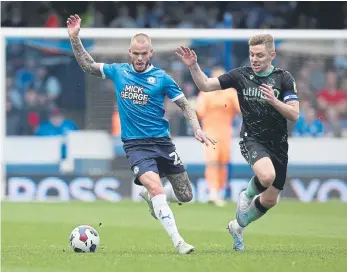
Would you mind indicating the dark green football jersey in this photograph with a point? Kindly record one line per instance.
(261, 121)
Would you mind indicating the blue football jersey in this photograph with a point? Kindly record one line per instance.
(140, 98)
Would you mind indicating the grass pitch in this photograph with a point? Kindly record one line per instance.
(292, 237)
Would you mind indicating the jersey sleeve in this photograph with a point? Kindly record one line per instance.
(108, 71)
(289, 87)
(230, 79)
(171, 88)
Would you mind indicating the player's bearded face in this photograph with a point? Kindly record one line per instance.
(260, 58)
(140, 56)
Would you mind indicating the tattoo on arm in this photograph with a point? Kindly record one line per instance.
(181, 186)
(83, 58)
(189, 113)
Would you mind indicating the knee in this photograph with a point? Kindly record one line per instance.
(155, 189)
(267, 178)
(152, 184)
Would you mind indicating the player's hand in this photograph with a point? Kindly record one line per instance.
(73, 25)
(268, 93)
(187, 56)
(204, 138)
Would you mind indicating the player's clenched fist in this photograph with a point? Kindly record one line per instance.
(187, 56)
(73, 25)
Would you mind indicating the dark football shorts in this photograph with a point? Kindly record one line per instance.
(153, 154)
(253, 151)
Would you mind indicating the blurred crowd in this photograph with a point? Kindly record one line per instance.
(32, 93)
(178, 14)
(36, 81)
(323, 100)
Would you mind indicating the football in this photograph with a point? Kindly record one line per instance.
(84, 239)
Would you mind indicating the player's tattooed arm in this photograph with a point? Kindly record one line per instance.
(192, 118)
(181, 186)
(83, 58)
(189, 113)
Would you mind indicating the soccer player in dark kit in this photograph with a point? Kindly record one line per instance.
(268, 98)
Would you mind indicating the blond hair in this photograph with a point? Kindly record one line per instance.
(141, 38)
(265, 39)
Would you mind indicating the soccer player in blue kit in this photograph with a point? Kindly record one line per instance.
(141, 89)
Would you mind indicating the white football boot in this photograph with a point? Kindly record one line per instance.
(184, 248)
(236, 232)
(243, 205)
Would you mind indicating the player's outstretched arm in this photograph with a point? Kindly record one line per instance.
(189, 58)
(192, 118)
(83, 58)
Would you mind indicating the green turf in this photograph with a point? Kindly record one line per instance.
(292, 237)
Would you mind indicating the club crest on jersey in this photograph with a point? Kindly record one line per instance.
(151, 80)
(135, 93)
(271, 82)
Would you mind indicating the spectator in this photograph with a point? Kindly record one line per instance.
(13, 17)
(47, 85)
(331, 96)
(39, 82)
(13, 93)
(157, 15)
(123, 19)
(334, 122)
(53, 19)
(305, 93)
(332, 103)
(32, 112)
(308, 124)
(25, 76)
(317, 79)
(57, 125)
(13, 119)
(142, 16)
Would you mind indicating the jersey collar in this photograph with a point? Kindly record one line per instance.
(266, 73)
(149, 68)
